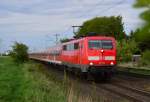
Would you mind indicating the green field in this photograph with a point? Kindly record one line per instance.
(28, 83)
(32, 82)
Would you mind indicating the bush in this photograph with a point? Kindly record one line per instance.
(125, 50)
(145, 61)
(19, 52)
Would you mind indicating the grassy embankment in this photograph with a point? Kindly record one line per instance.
(31, 82)
(28, 83)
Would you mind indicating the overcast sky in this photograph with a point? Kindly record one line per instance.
(35, 22)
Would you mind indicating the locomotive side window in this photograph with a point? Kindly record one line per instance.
(98, 44)
(64, 47)
(76, 46)
(70, 47)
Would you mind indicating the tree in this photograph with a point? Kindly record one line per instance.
(142, 36)
(64, 40)
(105, 26)
(19, 52)
(142, 3)
(125, 50)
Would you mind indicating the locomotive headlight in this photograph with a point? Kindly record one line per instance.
(102, 51)
(112, 63)
(91, 63)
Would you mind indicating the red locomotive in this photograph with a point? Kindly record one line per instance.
(95, 55)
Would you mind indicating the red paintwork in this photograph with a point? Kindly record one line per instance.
(80, 56)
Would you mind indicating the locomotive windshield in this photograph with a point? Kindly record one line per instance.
(100, 44)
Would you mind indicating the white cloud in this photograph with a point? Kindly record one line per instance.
(25, 19)
(20, 2)
(36, 24)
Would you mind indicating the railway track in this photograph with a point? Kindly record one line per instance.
(118, 89)
(145, 93)
(129, 93)
(123, 90)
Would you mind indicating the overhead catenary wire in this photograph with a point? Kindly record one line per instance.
(113, 6)
(106, 9)
(65, 32)
(103, 10)
(91, 9)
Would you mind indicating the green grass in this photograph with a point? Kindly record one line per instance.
(10, 81)
(28, 83)
(32, 82)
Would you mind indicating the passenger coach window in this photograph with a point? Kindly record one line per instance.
(98, 44)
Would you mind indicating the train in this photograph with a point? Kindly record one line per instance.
(91, 55)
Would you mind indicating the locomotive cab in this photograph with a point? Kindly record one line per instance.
(101, 54)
